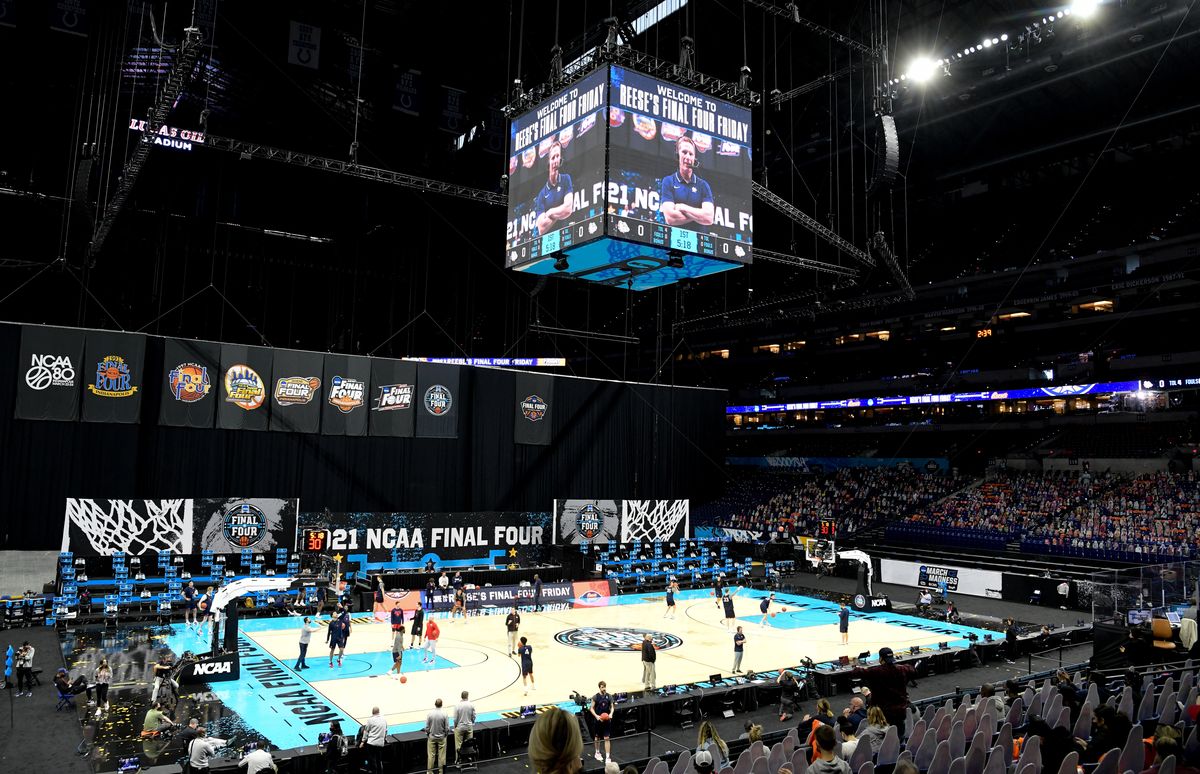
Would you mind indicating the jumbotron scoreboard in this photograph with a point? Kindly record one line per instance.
(632, 181)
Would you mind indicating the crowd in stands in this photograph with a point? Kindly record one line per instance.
(1060, 725)
(1154, 514)
(856, 497)
(1150, 516)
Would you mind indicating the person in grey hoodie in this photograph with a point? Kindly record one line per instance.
(826, 761)
(877, 726)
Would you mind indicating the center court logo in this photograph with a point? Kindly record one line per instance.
(611, 640)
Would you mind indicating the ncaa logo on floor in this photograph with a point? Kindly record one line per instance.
(612, 640)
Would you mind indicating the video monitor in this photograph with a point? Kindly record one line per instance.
(556, 173)
(129, 764)
(1139, 617)
(680, 168)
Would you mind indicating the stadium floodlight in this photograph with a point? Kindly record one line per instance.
(1085, 8)
(987, 43)
(921, 69)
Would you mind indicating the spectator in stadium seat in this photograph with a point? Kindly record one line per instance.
(905, 766)
(924, 601)
(849, 732)
(876, 729)
(824, 747)
(708, 740)
(857, 711)
(987, 692)
(555, 744)
(1056, 743)
(1110, 729)
(1165, 747)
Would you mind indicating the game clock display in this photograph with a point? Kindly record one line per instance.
(314, 540)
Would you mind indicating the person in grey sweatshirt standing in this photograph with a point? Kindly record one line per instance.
(306, 633)
(464, 723)
(436, 724)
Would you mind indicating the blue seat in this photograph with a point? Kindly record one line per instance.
(65, 701)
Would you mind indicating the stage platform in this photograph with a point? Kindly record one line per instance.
(574, 648)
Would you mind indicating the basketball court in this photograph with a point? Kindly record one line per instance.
(573, 649)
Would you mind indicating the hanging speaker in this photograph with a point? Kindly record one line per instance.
(887, 155)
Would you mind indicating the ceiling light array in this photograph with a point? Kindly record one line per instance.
(923, 68)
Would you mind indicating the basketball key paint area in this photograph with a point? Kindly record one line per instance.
(574, 648)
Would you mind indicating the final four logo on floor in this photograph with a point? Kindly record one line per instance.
(113, 379)
(438, 400)
(245, 525)
(534, 408)
(589, 521)
(612, 640)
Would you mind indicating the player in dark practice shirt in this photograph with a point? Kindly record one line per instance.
(685, 197)
(526, 654)
(554, 202)
(730, 616)
(418, 628)
(602, 704)
(672, 590)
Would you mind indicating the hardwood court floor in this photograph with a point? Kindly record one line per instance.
(472, 655)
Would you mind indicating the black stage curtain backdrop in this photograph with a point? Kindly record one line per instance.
(608, 439)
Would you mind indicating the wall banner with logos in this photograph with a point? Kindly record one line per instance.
(959, 580)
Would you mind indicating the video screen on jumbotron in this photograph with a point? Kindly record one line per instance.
(556, 172)
(679, 168)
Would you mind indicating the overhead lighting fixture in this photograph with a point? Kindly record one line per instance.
(921, 69)
(987, 43)
(1004, 36)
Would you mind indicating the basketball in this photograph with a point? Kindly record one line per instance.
(605, 716)
(203, 605)
(772, 615)
(783, 609)
(403, 679)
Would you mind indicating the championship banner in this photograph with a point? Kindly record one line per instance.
(587, 521)
(393, 393)
(49, 373)
(244, 380)
(440, 401)
(296, 391)
(449, 539)
(225, 525)
(190, 395)
(344, 402)
(113, 378)
(534, 395)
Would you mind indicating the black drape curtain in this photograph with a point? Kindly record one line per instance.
(610, 440)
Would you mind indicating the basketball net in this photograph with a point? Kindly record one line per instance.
(653, 520)
(133, 526)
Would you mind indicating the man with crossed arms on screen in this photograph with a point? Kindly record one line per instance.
(684, 196)
(553, 202)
